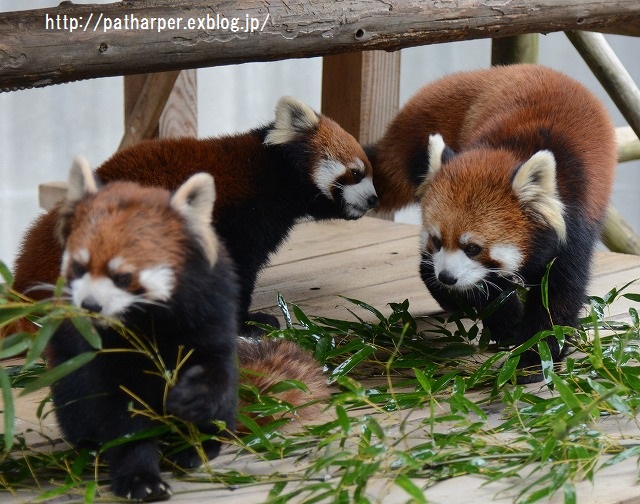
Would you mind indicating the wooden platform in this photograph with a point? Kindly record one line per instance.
(376, 261)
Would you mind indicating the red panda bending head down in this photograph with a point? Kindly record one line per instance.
(302, 165)
(514, 167)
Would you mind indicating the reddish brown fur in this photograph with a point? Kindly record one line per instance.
(490, 211)
(465, 107)
(343, 148)
(270, 361)
(234, 162)
(142, 212)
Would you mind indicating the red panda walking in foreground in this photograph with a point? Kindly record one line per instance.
(151, 260)
(301, 165)
(521, 162)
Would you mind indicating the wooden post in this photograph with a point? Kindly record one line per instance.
(141, 121)
(361, 91)
(180, 115)
(515, 49)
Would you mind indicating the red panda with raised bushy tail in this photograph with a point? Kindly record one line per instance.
(514, 166)
(301, 165)
(150, 261)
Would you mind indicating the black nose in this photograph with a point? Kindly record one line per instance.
(91, 304)
(372, 200)
(447, 278)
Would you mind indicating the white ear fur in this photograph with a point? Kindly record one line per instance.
(292, 119)
(435, 150)
(534, 184)
(194, 201)
(81, 180)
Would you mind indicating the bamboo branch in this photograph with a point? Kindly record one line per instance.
(71, 42)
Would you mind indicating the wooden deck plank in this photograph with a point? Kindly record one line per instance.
(375, 261)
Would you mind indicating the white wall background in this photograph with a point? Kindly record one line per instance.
(42, 129)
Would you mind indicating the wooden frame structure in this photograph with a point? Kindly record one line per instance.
(360, 84)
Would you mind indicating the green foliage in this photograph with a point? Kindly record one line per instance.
(410, 405)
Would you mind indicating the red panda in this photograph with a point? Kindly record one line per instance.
(151, 260)
(301, 165)
(515, 166)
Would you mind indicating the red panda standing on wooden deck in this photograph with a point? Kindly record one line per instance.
(301, 165)
(515, 166)
(151, 260)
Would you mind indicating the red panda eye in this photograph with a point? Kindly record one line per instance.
(472, 249)
(357, 175)
(77, 270)
(436, 243)
(122, 280)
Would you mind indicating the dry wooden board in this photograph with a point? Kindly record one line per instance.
(377, 262)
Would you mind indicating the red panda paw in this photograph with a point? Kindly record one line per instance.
(193, 398)
(141, 487)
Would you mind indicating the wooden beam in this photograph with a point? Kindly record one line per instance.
(70, 42)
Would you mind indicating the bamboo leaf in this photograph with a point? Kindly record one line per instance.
(545, 359)
(54, 374)
(416, 493)
(8, 412)
(507, 371)
(88, 331)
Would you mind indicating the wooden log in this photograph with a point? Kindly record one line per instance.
(611, 73)
(361, 91)
(70, 42)
(618, 236)
(515, 49)
(628, 144)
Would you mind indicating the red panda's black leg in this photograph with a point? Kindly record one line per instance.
(135, 472)
(568, 278)
(204, 393)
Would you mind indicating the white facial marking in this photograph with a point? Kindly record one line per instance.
(114, 301)
(83, 256)
(158, 281)
(326, 174)
(507, 255)
(458, 265)
(116, 264)
(65, 263)
(356, 197)
(467, 238)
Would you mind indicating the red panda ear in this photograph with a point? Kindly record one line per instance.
(82, 181)
(438, 153)
(194, 200)
(293, 118)
(534, 184)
